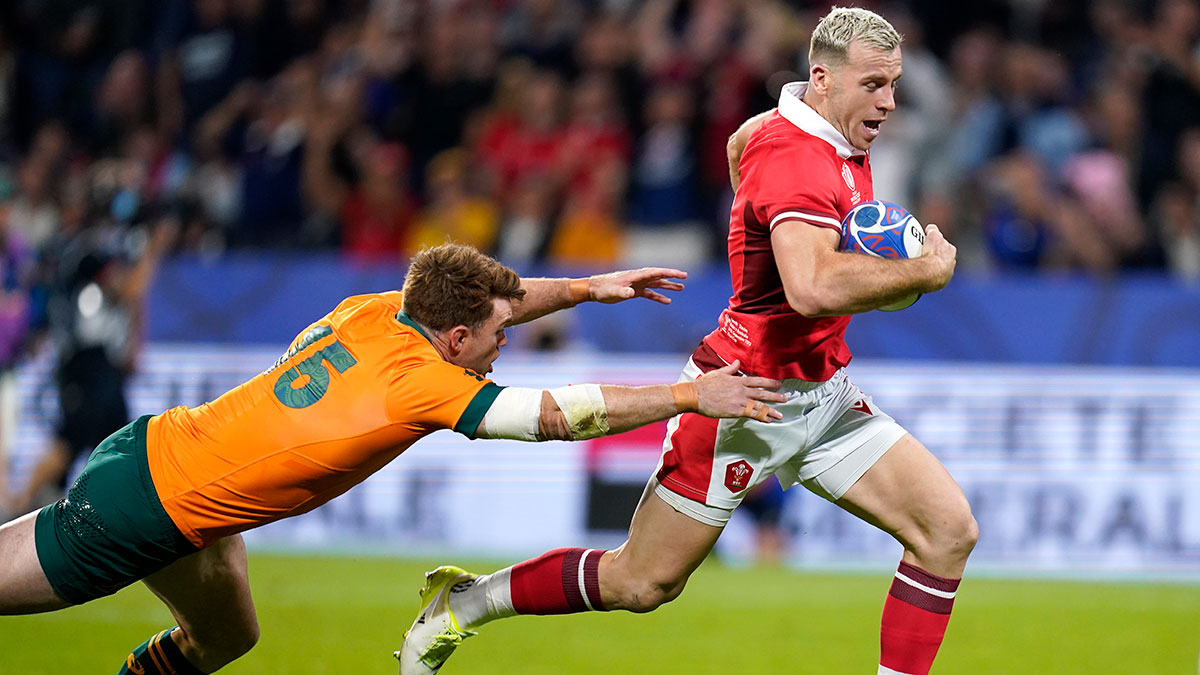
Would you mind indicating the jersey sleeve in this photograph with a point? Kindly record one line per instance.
(794, 183)
(441, 395)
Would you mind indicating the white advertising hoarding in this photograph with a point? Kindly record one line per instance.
(1068, 470)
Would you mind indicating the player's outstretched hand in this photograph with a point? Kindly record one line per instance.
(943, 253)
(724, 393)
(618, 286)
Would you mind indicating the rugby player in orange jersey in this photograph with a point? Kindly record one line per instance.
(164, 499)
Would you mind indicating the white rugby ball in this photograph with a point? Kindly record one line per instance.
(884, 230)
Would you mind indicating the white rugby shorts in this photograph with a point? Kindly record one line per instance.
(830, 435)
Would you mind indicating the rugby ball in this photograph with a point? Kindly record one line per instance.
(884, 230)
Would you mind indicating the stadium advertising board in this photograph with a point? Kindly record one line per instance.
(1088, 471)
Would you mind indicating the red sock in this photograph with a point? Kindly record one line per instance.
(562, 581)
(915, 615)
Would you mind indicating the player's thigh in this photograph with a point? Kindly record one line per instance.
(23, 585)
(665, 543)
(208, 592)
(909, 494)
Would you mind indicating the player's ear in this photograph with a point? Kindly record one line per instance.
(819, 78)
(458, 337)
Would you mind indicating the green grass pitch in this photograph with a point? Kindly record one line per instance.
(346, 615)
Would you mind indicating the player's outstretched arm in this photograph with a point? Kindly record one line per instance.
(820, 280)
(543, 296)
(589, 410)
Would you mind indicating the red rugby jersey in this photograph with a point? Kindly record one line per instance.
(797, 171)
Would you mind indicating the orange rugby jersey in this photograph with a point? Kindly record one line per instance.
(355, 389)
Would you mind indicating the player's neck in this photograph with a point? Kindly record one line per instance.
(440, 342)
(820, 104)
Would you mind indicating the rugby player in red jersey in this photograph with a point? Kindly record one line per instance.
(797, 170)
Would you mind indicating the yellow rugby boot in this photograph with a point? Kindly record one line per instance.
(435, 634)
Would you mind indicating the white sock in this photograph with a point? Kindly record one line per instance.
(483, 599)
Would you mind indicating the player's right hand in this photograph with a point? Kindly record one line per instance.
(942, 253)
(724, 393)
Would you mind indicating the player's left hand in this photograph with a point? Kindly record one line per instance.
(618, 286)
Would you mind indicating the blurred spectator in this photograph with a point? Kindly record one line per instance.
(664, 205)
(1177, 211)
(528, 222)
(593, 155)
(514, 149)
(65, 48)
(1100, 180)
(974, 107)
(1171, 96)
(270, 148)
(589, 233)
(1035, 222)
(387, 48)
(34, 211)
(214, 182)
(542, 31)
(16, 260)
(498, 118)
(455, 212)
(211, 58)
(377, 216)
(122, 104)
(440, 92)
(279, 32)
(8, 76)
(605, 47)
(355, 187)
(593, 161)
(1044, 115)
(1018, 222)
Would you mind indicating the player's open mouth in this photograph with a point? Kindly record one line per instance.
(871, 127)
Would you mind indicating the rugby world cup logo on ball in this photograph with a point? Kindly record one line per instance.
(884, 230)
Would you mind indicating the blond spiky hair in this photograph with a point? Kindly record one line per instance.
(842, 25)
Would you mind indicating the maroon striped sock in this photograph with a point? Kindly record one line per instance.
(562, 581)
(915, 616)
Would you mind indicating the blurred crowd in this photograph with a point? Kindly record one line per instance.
(1041, 135)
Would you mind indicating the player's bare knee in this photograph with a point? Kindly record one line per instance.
(248, 637)
(219, 654)
(214, 649)
(967, 535)
(954, 537)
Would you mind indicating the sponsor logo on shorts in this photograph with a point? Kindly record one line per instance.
(737, 475)
(862, 407)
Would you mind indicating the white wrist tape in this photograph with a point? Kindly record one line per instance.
(513, 415)
(583, 406)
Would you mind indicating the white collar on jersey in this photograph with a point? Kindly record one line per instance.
(795, 110)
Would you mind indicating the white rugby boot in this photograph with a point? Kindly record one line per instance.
(435, 634)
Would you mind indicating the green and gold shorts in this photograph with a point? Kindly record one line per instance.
(110, 530)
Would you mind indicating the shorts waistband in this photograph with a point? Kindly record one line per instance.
(797, 385)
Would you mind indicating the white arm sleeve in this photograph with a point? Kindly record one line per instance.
(513, 415)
